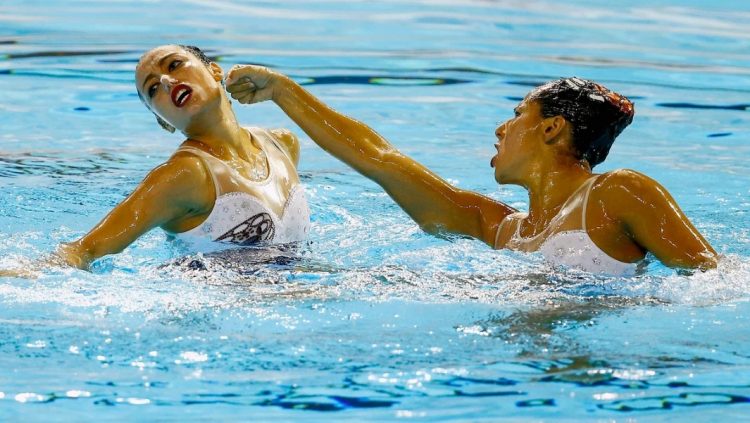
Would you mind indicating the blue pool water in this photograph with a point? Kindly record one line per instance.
(372, 319)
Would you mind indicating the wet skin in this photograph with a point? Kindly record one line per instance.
(179, 194)
(628, 214)
(164, 73)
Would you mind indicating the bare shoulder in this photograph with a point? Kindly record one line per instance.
(182, 176)
(288, 141)
(624, 177)
(626, 182)
(630, 190)
(182, 166)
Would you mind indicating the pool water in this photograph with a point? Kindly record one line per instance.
(371, 319)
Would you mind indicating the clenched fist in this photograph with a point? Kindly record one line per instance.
(252, 84)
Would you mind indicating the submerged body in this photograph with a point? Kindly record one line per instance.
(626, 213)
(218, 164)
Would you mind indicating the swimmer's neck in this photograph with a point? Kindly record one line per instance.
(549, 188)
(218, 129)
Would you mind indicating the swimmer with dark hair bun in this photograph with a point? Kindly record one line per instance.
(601, 223)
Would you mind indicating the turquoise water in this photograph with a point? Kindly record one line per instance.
(372, 319)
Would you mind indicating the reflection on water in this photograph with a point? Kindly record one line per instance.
(370, 319)
(391, 76)
(671, 401)
(549, 330)
(56, 167)
(29, 55)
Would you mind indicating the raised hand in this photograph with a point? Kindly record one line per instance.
(251, 84)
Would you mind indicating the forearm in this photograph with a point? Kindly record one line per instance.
(429, 200)
(84, 251)
(432, 202)
(112, 235)
(692, 254)
(345, 138)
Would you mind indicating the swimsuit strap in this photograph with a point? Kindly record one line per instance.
(259, 133)
(202, 155)
(497, 234)
(590, 182)
(500, 226)
(497, 231)
(517, 233)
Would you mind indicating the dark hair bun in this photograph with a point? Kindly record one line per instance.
(598, 115)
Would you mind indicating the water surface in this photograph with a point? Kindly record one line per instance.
(371, 319)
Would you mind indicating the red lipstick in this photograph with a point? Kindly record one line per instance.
(180, 94)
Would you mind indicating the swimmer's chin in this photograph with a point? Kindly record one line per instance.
(502, 179)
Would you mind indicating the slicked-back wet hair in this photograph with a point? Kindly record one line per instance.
(197, 52)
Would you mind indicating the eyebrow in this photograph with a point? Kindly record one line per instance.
(161, 63)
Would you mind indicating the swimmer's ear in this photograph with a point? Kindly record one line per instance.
(167, 127)
(217, 72)
(553, 127)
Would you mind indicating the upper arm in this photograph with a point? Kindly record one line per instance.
(428, 199)
(289, 142)
(654, 221)
(166, 193)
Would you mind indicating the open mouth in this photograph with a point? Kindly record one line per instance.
(492, 160)
(181, 94)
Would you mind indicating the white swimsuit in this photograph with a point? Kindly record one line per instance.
(243, 213)
(574, 248)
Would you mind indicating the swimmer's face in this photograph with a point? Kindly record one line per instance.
(518, 140)
(176, 85)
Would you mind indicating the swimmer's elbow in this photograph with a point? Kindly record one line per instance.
(445, 229)
(432, 228)
(377, 162)
(387, 155)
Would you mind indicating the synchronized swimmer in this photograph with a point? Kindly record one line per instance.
(226, 183)
(595, 222)
(239, 186)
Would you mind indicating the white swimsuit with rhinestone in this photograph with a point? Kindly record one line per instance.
(243, 212)
(575, 248)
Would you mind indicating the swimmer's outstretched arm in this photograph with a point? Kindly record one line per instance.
(433, 203)
(167, 193)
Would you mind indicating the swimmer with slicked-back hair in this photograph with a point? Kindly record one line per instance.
(225, 186)
(601, 223)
